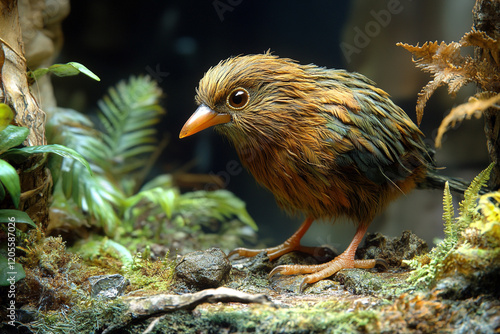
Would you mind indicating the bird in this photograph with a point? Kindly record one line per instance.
(327, 143)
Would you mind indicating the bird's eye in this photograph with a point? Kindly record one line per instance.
(238, 99)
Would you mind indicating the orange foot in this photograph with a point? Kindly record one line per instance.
(321, 271)
(292, 244)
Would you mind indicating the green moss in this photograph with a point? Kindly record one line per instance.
(385, 285)
(329, 317)
(325, 317)
(150, 275)
(87, 317)
(139, 269)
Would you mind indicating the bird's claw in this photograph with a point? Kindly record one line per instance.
(245, 252)
(276, 270)
(303, 284)
(234, 252)
(282, 269)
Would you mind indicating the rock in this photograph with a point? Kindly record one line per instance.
(392, 250)
(108, 286)
(27, 313)
(203, 269)
(472, 284)
(364, 282)
(359, 281)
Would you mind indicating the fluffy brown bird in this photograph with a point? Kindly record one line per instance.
(325, 142)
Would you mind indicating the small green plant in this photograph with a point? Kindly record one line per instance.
(62, 70)
(12, 155)
(428, 267)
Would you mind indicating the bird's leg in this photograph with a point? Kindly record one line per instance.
(320, 271)
(291, 244)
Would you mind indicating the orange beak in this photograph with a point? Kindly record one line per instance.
(203, 118)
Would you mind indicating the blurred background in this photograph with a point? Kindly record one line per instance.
(177, 41)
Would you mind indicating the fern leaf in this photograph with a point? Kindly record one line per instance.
(219, 204)
(445, 63)
(467, 206)
(128, 112)
(448, 210)
(447, 66)
(474, 107)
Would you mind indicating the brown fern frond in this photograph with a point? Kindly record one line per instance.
(446, 64)
(491, 46)
(474, 107)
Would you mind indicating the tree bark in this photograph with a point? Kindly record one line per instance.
(486, 17)
(14, 90)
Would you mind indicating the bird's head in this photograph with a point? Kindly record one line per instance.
(251, 96)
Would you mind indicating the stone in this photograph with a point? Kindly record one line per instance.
(203, 269)
(108, 286)
(392, 250)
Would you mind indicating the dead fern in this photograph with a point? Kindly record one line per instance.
(473, 108)
(449, 67)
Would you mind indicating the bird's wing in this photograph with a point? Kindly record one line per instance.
(372, 133)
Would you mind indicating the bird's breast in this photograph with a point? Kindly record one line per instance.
(298, 185)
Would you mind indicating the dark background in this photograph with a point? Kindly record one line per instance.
(177, 41)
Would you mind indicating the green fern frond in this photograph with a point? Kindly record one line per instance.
(166, 198)
(128, 113)
(467, 206)
(218, 204)
(448, 210)
(426, 274)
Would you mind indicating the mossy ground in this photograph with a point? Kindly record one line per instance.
(353, 301)
(462, 299)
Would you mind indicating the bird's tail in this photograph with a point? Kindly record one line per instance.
(433, 180)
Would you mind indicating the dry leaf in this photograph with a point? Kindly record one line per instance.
(490, 45)
(446, 64)
(449, 67)
(474, 107)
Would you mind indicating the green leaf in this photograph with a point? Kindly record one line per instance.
(162, 180)
(61, 150)
(128, 113)
(2, 192)
(124, 254)
(17, 216)
(468, 205)
(64, 70)
(6, 115)
(448, 210)
(10, 179)
(219, 204)
(12, 136)
(10, 272)
(166, 198)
